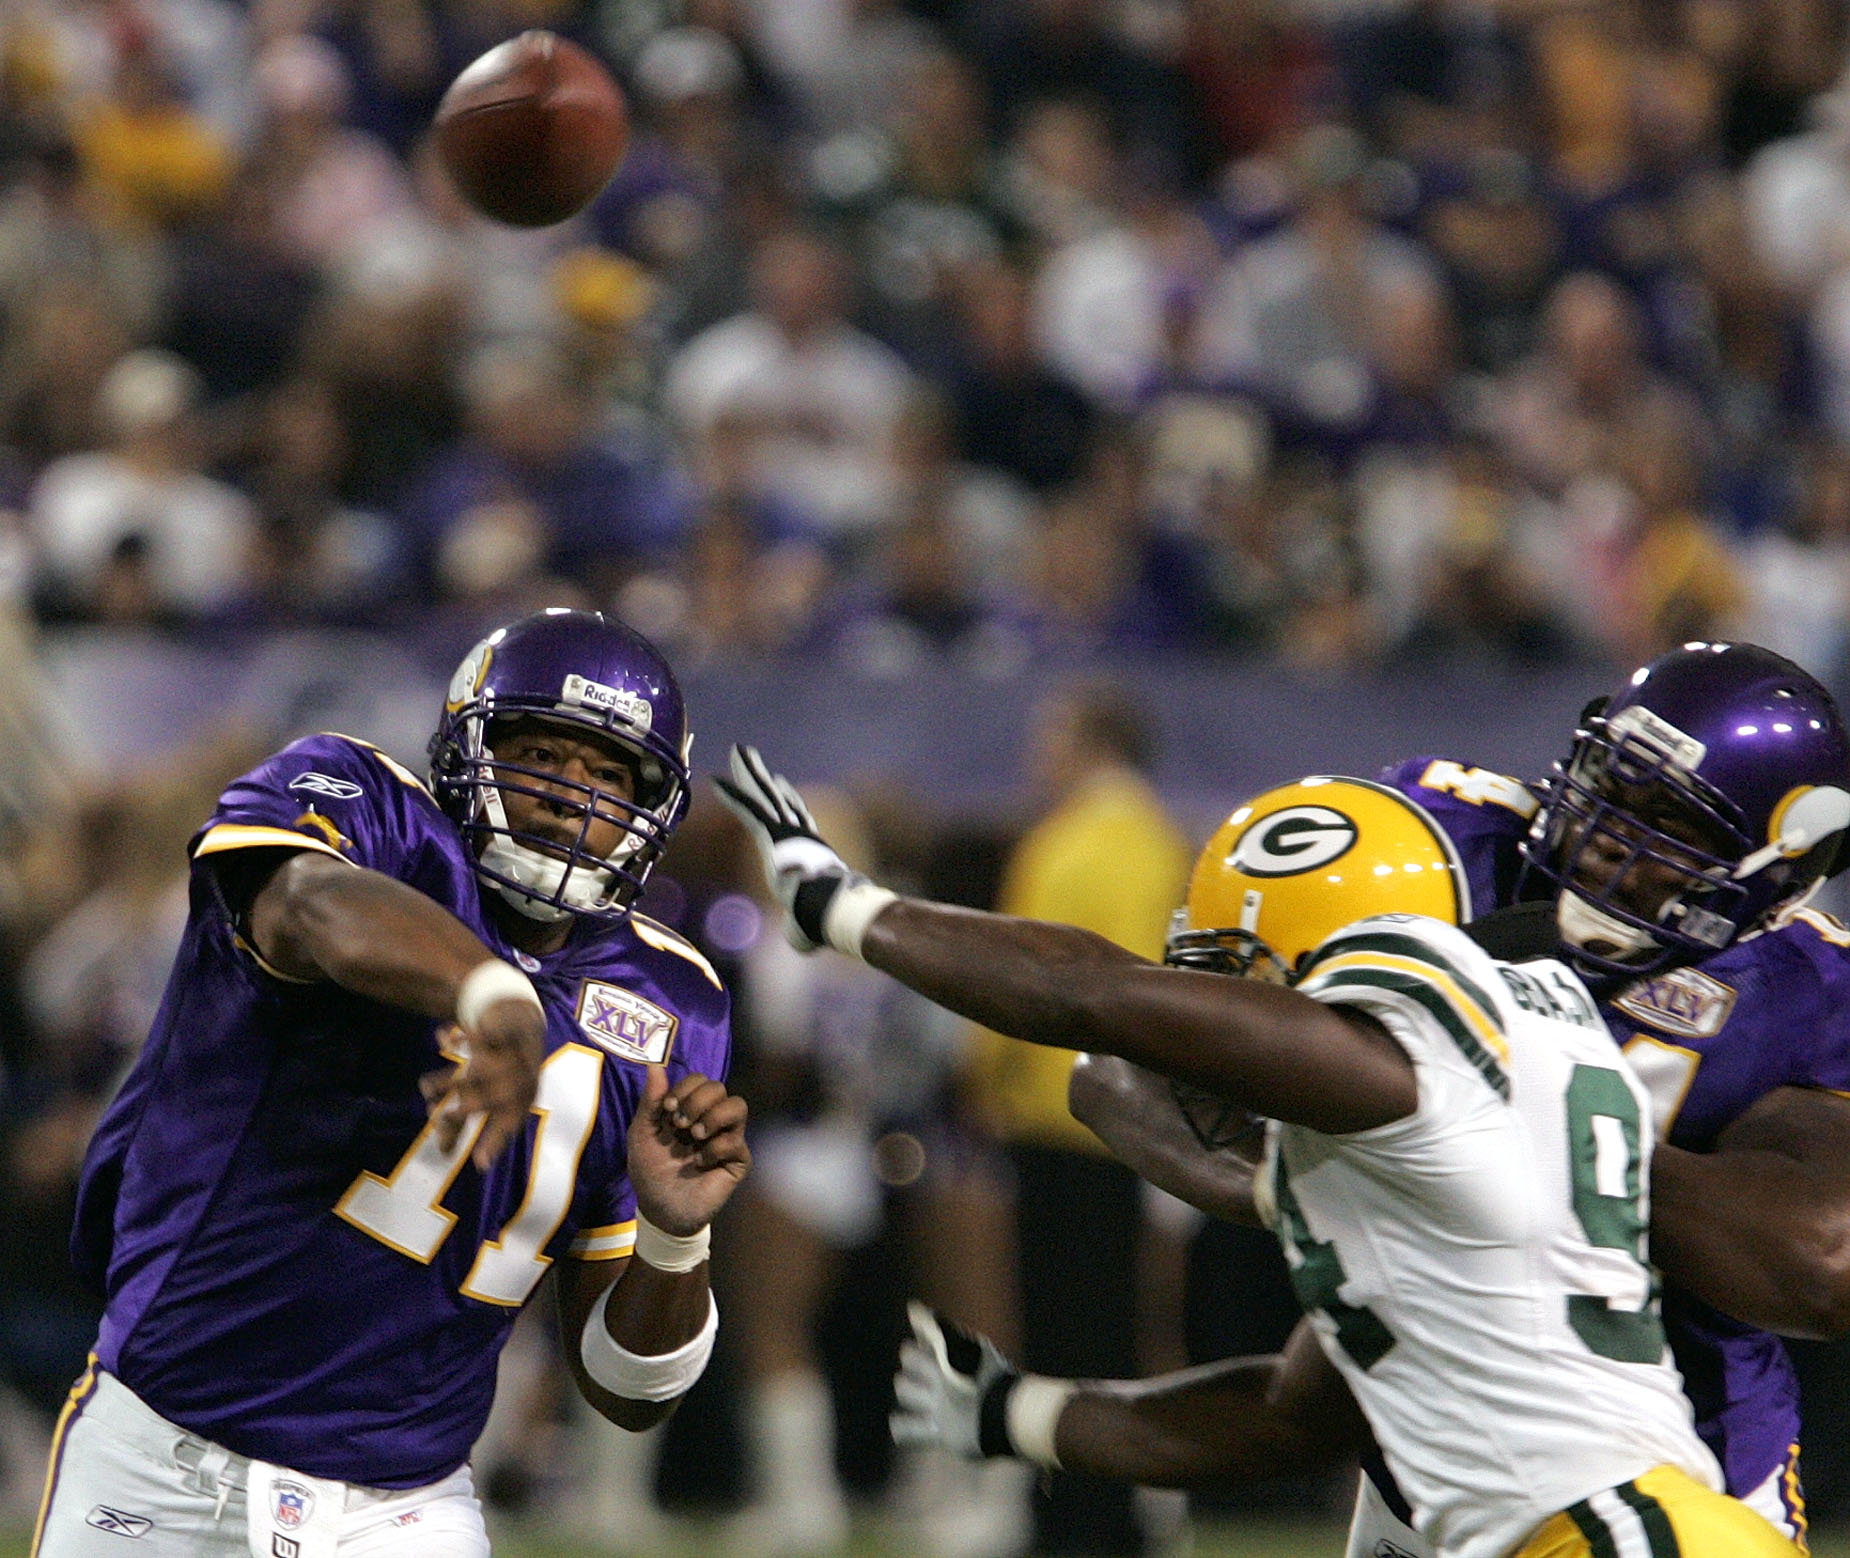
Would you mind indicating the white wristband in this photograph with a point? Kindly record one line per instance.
(670, 1251)
(1033, 1413)
(850, 912)
(487, 983)
(637, 1378)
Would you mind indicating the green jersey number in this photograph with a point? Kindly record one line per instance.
(1318, 1273)
(1604, 1155)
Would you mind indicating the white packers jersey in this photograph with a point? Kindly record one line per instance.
(1477, 1270)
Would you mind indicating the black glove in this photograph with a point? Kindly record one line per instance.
(825, 902)
(952, 1389)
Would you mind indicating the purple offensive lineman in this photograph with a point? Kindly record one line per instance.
(314, 1233)
(1672, 856)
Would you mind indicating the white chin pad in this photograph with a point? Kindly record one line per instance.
(1595, 931)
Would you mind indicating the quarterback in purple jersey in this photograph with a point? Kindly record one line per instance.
(417, 1050)
(1669, 859)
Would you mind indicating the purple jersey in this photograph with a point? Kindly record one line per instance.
(1773, 1010)
(293, 1267)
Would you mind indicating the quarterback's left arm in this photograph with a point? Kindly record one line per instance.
(1760, 1227)
(636, 1345)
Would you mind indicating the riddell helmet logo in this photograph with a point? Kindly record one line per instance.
(1293, 841)
(632, 708)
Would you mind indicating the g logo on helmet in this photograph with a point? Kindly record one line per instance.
(1293, 841)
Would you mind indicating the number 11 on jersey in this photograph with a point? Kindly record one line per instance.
(405, 1210)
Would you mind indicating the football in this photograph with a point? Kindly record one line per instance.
(532, 130)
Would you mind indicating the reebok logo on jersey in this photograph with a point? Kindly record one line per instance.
(1293, 841)
(119, 1521)
(1386, 1549)
(624, 1023)
(325, 784)
(1684, 1002)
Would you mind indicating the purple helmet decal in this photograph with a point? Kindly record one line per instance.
(575, 668)
(1711, 790)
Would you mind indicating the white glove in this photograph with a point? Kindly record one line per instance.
(825, 902)
(952, 1389)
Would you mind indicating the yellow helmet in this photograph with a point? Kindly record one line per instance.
(1296, 864)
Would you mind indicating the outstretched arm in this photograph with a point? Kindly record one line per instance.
(1760, 1227)
(1224, 1424)
(1278, 1053)
(1198, 1147)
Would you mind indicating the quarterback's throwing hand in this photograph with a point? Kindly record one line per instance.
(951, 1388)
(826, 903)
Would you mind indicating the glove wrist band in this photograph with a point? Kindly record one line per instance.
(1019, 1414)
(854, 906)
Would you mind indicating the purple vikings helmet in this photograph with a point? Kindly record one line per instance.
(575, 668)
(1720, 776)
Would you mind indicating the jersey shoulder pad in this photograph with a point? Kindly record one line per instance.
(1423, 977)
(653, 933)
(1434, 780)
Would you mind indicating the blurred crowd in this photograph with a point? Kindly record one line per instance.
(1003, 333)
(998, 329)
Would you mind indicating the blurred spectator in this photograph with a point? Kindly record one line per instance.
(1113, 307)
(319, 559)
(1061, 176)
(1797, 195)
(1641, 563)
(1103, 855)
(136, 531)
(332, 187)
(666, 202)
(1262, 72)
(1453, 550)
(924, 205)
(1494, 235)
(1014, 413)
(1797, 572)
(56, 354)
(1072, 51)
(153, 161)
(534, 471)
(821, 396)
(53, 245)
(858, 87)
(237, 298)
(1289, 317)
(389, 345)
(1559, 412)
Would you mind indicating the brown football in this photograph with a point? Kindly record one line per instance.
(532, 130)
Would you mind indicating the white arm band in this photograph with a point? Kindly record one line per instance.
(671, 1252)
(1031, 1415)
(660, 1378)
(850, 912)
(487, 983)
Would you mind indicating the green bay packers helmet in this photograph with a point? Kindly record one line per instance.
(1296, 864)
